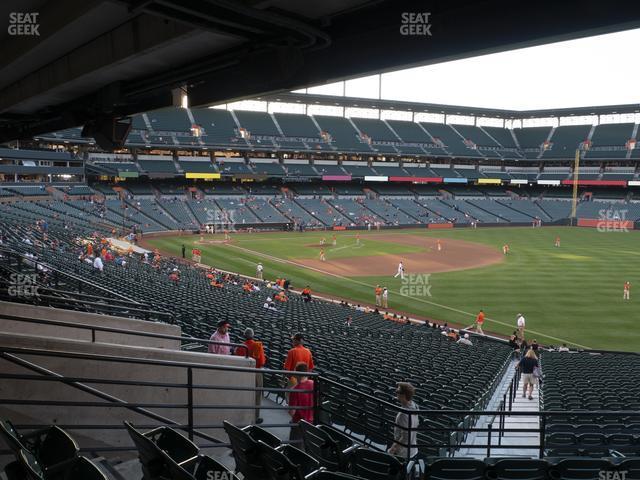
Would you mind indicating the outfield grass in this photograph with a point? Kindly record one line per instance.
(569, 294)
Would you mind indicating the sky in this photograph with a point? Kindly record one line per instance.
(593, 71)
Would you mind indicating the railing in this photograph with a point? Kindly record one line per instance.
(362, 413)
(89, 385)
(108, 302)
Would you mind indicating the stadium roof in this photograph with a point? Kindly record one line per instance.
(399, 105)
(83, 60)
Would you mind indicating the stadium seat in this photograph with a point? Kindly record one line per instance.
(159, 448)
(52, 447)
(374, 465)
(327, 449)
(579, 469)
(456, 469)
(517, 469)
(286, 462)
(245, 453)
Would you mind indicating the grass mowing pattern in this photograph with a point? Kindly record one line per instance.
(572, 293)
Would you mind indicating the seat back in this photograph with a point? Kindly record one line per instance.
(259, 433)
(305, 462)
(84, 469)
(320, 446)
(177, 446)
(32, 469)
(277, 465)
(57, 447)
(207, 468)
(458, 469)
(245, 453)
(375, 465)
(151, 458)
(579, 469)
(518, 469)
(11, 437)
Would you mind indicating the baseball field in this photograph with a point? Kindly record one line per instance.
(568, 294)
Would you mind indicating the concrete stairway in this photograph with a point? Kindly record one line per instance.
(504, 447)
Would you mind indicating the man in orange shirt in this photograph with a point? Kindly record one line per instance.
(306, 294)
(299, 353)
(480, 322)
(255, 350)
(378, 291)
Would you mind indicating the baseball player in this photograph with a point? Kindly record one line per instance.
(358, 239)
(322, 257)
(557, 242)
(400, 271)
(439, 245)
(259, 269)
(385, 298)
(334, 241)
(627, 291)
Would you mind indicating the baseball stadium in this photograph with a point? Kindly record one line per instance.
(258, 241)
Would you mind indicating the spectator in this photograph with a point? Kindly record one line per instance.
(527, 365)
(259, 270)
(534, 345)
(563, 348)
(385, 298)
(404, 421)
(349, 321)
(304, 400)
(521, 324)
(465, 340)
(306, 294)
(221, 335)
(297, 354)
(255, 350)
(97, 263)
(183, 250)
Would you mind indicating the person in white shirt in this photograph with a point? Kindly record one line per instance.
(385, 298)
(521, 324)
(465, 340)
(400, 271)
(97, 263)
(401, 435)
(259, 269)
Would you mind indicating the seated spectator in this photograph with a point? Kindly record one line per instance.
(306, 294)
(281, 297)
(465, 340)
(269, 305)
(97, 263)
(563, 348)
